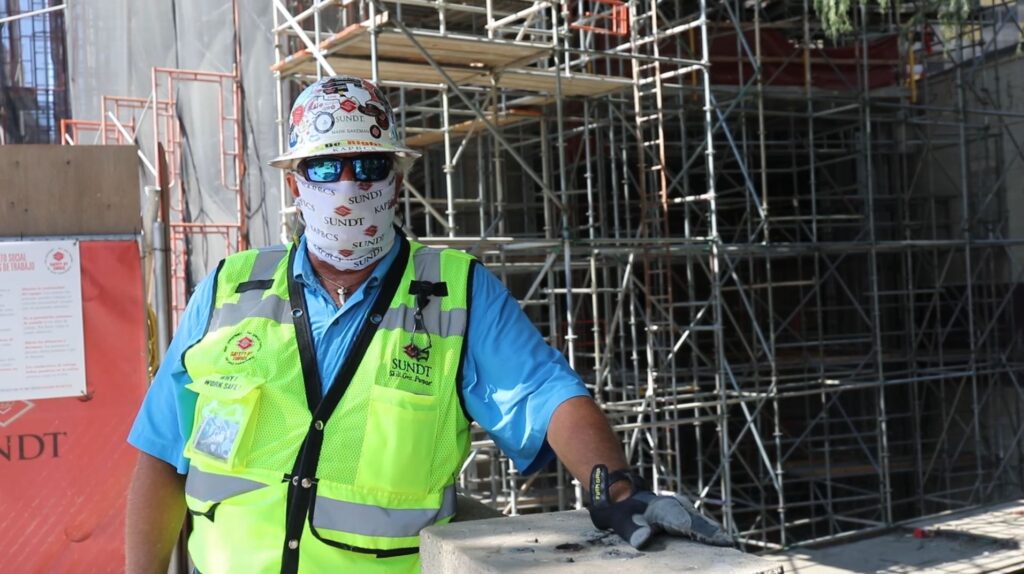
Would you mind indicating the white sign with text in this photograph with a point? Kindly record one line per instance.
(42, 345)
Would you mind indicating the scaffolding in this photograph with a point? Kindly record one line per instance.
(171, 165)
(786, 265)
(33, 71)
(781, 262)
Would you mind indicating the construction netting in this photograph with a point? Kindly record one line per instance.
(191, 104)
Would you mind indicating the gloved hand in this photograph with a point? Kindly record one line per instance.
(643, 514)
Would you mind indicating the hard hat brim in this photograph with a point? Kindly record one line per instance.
(290, 160)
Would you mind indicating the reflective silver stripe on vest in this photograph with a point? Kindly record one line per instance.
(436, 321)
(210, 487)
(253, 303)
(270, 307)
(427, 263)
(266, 262)
(369, 520)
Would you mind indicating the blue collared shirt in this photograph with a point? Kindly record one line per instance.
(514, 405)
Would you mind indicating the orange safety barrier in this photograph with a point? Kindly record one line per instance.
(64, 464)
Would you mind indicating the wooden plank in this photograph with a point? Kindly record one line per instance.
(544, 81)
(461, 129)
(69, 190)
(531, 81)
(389, 70)
(393, 44)
(354, 35)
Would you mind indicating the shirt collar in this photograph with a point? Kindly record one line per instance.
(303, 271)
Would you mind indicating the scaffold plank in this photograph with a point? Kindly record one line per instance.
(393, 45)
(461, 129)
(574, 85)
(541, 81)
(404, 71)
(457, 50)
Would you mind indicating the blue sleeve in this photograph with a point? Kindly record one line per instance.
(164, 421)
(512, 379)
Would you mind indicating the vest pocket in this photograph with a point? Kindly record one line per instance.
(398, 447)
(222, 424)
(247, 530)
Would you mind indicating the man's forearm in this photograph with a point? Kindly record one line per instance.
(156, 508)
(581, 437)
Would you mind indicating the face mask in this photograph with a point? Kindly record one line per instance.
(348, 223)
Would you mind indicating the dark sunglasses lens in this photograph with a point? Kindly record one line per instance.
(323, 170)
(371, 167)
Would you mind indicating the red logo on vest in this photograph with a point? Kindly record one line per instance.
(241, 347)
(343, 211)
(417, 353)
(371, 231)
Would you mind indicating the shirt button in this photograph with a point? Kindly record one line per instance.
(375, 318)
(306, 483)
(296, 313)
(293, 544)
(295, 480)
(318, 425)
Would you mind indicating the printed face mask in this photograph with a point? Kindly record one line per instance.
(348, 223)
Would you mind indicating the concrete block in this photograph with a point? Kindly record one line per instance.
(565, 543)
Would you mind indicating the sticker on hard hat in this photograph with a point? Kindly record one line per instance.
(338, 115)
(321, 104)
(323, 122)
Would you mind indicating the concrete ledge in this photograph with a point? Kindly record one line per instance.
(976, 541)
(566, 542)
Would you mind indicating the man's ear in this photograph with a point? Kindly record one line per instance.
(289, 180)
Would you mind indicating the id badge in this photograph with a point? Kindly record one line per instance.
(224, 418)
(219, 430)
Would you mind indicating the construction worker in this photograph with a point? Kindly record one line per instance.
(313, 410)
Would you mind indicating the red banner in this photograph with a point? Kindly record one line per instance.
(64, 463)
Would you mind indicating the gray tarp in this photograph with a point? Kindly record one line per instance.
(113, 46)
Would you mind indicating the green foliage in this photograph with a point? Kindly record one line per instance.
(835, 14)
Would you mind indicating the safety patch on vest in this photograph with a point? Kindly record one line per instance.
(241, 347)
(219, 429)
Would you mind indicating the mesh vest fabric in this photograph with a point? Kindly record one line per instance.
(391, 448)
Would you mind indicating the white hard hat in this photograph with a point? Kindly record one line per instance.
(341, 114)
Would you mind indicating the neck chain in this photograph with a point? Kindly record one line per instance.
(343, 290)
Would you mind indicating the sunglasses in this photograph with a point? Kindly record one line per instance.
(367, 167)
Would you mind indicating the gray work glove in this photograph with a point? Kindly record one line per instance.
(643, 514)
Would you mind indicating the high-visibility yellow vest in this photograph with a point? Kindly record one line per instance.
(283, 479)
